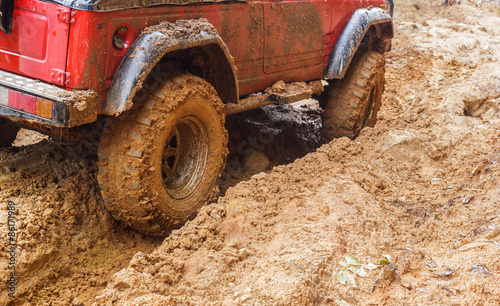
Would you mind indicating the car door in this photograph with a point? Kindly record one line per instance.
(294, 31)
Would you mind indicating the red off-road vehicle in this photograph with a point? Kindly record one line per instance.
(161, 75)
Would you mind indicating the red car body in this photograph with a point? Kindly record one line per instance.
(74, 49)
(270, 40)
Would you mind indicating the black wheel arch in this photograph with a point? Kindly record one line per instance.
(201, 48)
(370, 28)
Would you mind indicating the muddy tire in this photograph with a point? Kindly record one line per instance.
(354, 101)
(8, 133)
(160, 164)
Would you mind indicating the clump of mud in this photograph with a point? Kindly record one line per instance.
(270, 136)
(282, 132)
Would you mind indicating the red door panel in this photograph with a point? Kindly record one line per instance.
(294, 31)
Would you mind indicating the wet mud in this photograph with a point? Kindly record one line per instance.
(415, 198)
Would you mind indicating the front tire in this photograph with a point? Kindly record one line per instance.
(354, 101)
(160, 164)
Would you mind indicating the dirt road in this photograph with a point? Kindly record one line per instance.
(417, 197)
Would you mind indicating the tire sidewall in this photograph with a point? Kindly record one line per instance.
(131, 152)
(195, 106)
(349, 107)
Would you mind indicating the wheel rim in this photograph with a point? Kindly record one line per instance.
(184, 158)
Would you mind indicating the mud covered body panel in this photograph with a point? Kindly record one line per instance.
(269, 41)
(114, 5)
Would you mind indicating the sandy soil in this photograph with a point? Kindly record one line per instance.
(421, 187)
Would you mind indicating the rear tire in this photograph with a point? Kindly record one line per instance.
(160, 164)
(354, 101)
(8, 133)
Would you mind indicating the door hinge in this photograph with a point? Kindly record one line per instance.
(66, 15)
(60, 77)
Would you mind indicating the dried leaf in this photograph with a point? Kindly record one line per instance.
(352, 261)
(345, 278)
(358, 270)
(343, 264)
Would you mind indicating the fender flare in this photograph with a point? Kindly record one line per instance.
(351, 37)
(157, 41)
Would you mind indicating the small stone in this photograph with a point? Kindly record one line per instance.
(447, 272)
(31, 229)
(480, 269)
(256, 162)
(48, 213)
(77, 302)
(243, 254)
(467, 199)
(246, 295)
(407, 285)
(121, 285)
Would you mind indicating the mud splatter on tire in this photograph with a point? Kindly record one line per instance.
(354, 101)
(158, 165)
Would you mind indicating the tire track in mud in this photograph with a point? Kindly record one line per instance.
(67, 243)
